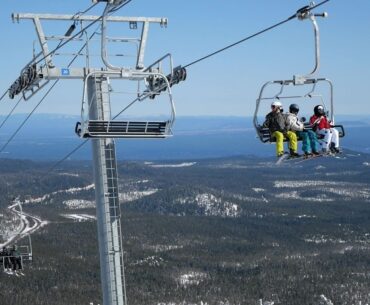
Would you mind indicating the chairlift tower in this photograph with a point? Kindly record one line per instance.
(97, 123)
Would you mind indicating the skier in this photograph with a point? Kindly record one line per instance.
(309, 139)
(275, 122)
(16, 258)
(323, 127)
(6, 259)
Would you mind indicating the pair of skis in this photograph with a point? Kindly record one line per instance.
(16, 272)
(286, 157)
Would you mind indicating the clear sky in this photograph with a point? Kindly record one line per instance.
(228, 83)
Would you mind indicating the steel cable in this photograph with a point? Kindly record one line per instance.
(201, 59)
(252, 36)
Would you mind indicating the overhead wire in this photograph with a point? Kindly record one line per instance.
(1, 98)
(28, 116)
(58, 47)
(11, 112)
(61, 44)
(42, 99)
(203, 58)
(67, 156)
(84, 142)
(252, 36)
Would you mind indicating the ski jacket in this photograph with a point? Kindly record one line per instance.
(293, 123)
(275, 121)
(319, 122)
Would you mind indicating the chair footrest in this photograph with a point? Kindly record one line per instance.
(125, 129)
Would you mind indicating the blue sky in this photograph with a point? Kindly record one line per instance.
(228, 83)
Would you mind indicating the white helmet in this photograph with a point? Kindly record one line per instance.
(277, 104)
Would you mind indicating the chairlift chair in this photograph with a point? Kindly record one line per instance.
(303, 81)
(155, 82)
(311, 96)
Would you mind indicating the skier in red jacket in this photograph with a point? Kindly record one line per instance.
(323, 127)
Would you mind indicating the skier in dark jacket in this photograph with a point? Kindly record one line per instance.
(16, 258)
(275, 122)
(6, 259)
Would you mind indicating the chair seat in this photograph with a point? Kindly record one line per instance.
(265, 136)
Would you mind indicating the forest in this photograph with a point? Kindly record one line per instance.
(209, 231)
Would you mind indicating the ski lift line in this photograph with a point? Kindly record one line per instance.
(86, 140)
(28, 116)
(42, 99)
(5, 93)
(124, 109)
(47, 93)
(11, 112)
(85, 11)
(67, 156)
(306, 9)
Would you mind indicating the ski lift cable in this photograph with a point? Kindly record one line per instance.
(84, 142)
(254, 35)
(4, 94)
(28, 116)
(67, 156)
(11, 112)
(43, 98)
(80, 13)
(196, 61)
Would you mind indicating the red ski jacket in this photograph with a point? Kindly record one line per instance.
(320, 122)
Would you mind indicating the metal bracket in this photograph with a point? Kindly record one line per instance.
(303, 14)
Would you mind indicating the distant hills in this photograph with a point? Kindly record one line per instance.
(51, 137)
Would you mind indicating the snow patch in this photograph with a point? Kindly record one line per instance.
(184, 164)
(192, 278)
(79, 217)
(306, 216)
(152, 261)
(69, 174)
(72, 190)
(322, 239)
(212, 205)
(325, 301)
(297, 196)
(135, 195)
(163, 248)
(75, 204)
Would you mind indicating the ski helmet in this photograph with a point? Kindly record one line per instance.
(319, 110)
(276, 104)
(293, 108)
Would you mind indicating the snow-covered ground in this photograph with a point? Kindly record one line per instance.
(72, 190)
(28, 225)
(212, 205)
(80, 217)
(153, 261)
(135, 195)
(184, 164)
(75, 204)
(291, 189)
(191, 278)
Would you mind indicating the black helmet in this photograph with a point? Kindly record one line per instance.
(319, 110)
(293, 108)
